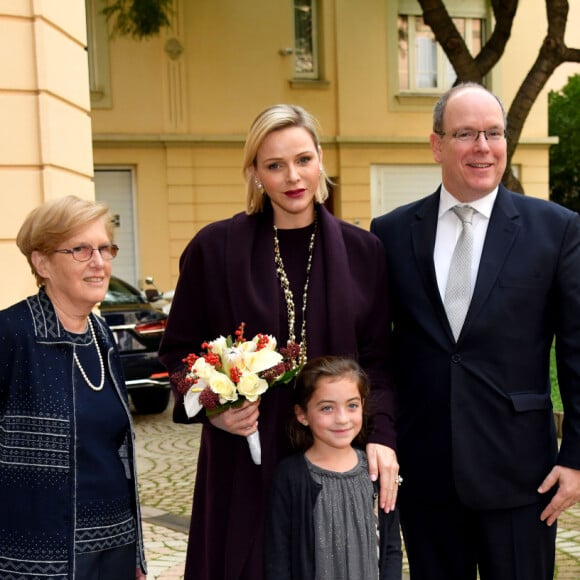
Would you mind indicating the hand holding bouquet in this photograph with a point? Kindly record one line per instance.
(231, 371)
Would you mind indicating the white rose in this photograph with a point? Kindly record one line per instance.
(223, 386)
(252, 386)
(261, 360)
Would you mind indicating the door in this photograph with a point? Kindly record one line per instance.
(114, 187)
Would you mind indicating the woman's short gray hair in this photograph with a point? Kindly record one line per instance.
(48, 225)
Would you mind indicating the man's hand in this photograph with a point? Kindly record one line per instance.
(568, 481)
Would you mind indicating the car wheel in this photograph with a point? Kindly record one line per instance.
(150, 400)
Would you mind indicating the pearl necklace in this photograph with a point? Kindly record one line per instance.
(98, 387)
(289, 298)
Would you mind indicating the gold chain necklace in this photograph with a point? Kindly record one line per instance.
(288, 296)
(98, 387)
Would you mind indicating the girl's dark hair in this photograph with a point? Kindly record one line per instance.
(334, 367)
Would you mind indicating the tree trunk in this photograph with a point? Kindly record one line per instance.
(552, 53)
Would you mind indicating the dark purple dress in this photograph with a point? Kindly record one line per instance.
(228, 276)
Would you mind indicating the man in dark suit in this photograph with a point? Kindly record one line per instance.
(484, 481)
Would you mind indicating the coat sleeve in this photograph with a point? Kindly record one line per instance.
(358, 320)
(200, 285)
(568, 342)
(187, 317)
(375, 347)
(278, 536)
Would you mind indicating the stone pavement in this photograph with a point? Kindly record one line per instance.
(166, 462)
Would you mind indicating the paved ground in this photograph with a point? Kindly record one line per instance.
(166, 459)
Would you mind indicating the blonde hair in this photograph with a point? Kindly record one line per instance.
(48, 225)
(273, 119)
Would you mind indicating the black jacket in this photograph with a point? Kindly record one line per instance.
(289, 541)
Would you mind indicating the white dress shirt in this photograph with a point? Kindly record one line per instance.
(448, 231)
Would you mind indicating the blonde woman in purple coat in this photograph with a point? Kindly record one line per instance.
(288, 268)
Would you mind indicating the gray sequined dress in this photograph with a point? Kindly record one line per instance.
(345, 526)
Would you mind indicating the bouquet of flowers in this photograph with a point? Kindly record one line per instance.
(230, 371)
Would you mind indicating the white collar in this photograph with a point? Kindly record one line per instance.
(483, 205)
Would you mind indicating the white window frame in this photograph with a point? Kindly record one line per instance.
(476, 10)
(98, 55)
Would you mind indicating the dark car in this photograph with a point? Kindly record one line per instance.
(138, 328)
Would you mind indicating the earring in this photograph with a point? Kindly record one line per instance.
(259, 186)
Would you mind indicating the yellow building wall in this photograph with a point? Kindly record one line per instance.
(182, 103)
(178, 106)
(230, 69)
(45, 142)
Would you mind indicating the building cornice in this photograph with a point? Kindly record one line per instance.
(106, 140)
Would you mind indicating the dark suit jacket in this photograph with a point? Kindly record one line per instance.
(475, 416)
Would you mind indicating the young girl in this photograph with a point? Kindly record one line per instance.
(322, 522)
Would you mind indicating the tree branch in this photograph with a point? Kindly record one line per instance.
(552, 53)
(436, 16)
(504, 12)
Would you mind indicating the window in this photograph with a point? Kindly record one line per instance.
(305, 40)
(422, 64)
(98, 54)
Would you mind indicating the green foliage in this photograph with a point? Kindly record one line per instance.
(138, 18)
(556, 399)
(564, 122)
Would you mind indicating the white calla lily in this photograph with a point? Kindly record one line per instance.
(218, 346)
(261, 360)
(191, 402)
(202, 368)
(248, 346)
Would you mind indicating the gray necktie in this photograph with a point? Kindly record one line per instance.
(458, 291)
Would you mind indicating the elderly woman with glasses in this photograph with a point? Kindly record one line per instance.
(68, 484)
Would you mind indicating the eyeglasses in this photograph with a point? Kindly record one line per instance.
(85, 253)
(467, 135)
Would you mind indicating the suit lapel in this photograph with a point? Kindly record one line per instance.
(423, 233)
(501, 233)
